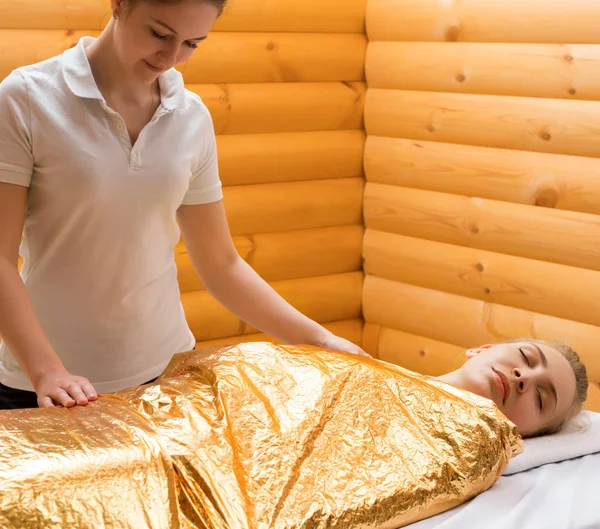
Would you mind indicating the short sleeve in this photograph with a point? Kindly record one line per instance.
(16, 152)
(205, 183)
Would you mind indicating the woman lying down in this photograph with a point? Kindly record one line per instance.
(264, 436)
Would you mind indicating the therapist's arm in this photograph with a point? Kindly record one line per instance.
(19, 326)
(239, 288)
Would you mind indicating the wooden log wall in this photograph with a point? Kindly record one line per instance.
(285, 84)
(482, 161)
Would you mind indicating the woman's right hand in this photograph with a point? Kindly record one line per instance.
(60, 388)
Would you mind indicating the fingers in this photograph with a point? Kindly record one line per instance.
(58, 397)
(355, 349)
(360, 352)
(67, 393)
(89, 391)
(45, 402)
(76, 393)
(62, 398)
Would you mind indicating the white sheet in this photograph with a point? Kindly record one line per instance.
(580, 437)
(563, 495)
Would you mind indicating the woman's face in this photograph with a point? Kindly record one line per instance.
(532, 384)
(153, 37)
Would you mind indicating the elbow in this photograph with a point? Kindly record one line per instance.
(216, 268)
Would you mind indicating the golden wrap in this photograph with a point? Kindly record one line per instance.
(255, 436)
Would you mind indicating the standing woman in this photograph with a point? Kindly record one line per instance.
(105, 158)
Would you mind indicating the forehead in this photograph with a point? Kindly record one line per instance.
(189, 18)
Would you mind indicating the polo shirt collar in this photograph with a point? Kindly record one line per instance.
(80, 80)
(78, 73)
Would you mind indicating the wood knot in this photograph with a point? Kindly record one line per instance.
(568, 58)
(474, 230)
(451, 34)
(430, 128)
(546, 198)
(271, 46)
(461, 78)
(487, 291)
(479, 267)
(545, 135)
(70, 32)
(422, 352)
(572, 91)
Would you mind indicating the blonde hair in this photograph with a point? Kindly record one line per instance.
(581, 382)
(219, 4)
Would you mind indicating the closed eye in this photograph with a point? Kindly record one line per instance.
(165, 37)
(159, 36)
(524, 356)
(540, 402)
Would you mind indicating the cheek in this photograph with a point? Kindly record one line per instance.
(133, 46)
(184, 54)
(524, 416)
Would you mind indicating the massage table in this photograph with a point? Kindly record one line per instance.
(553, 484)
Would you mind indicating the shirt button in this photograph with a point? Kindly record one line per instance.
(120, 125)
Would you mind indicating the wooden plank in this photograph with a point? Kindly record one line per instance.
(291, 156)
(370, 340)
(323, 299)
(562, 237)
(467, 322)
(537, 286)
(23, 47)
(236, 108)
(288, 255)
(283, 107)
(593, 401)
(276, 57)
(348, 329)
(50, 14)
(308, 16)
(531, 124)
(531, 70)
(543, 21)
(537, 179)
(419, 354)
(268, 208)
(223, 58)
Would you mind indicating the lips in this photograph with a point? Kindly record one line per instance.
(153, 68)
(505, 385)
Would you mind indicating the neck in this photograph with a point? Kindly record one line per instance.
(110, 76)
(453, 378)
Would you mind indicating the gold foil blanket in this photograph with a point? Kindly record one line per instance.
(256, 436)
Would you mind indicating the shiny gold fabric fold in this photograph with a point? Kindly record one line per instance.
(255, 436)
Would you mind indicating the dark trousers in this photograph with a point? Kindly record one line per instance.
(14, 399)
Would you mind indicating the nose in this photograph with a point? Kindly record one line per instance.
(522, 379)
(168, 55)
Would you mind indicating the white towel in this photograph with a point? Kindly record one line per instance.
(579, 438)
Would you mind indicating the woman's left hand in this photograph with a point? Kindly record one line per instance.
(336, 343)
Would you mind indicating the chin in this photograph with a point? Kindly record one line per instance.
(481, 386)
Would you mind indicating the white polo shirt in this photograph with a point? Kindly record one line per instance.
(100, 228)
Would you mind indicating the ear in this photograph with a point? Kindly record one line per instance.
(474, 352)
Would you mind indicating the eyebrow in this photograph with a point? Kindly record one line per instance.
(171, 29)
(544, 361)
